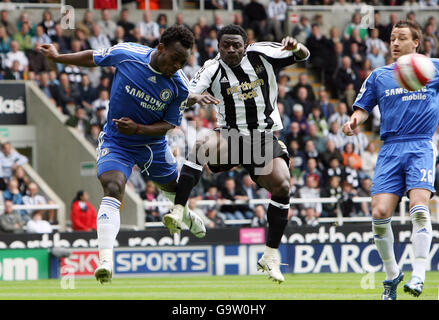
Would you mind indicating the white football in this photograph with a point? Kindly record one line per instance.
(413, 71)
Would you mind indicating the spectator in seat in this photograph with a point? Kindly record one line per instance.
(48, 23)
(313, 135)
(311, 210)
(10, 221)
(5, 41)
(83, 215)
(326, 108)
(340, 115)
(79, 121)
(255, 18)
(330, 152)
(102, 101)
(365, 208)
(345, 75)
(302, 30)
(22, 179)
(16, 54)
(40, 36)
(376, 58)
(87, 93)
(24, 38)
(13, 194)
(347, 204)
(14, 72)
(86, 24)
(260, 217)
(149, 29)
(216, 220)
(37, 61)
(150, 194)
(234, 211)
(319, 120)
(107, 26)
(67, 94)
(300, 118)
(348, 152)
(98, 40)
(162, 20)
(369, 159)
(48, 88)
(93, 137)
(277, 11)
(320, 48)
(10, 159)
(303, 83)
(335, 169)
(10, 27)
(118, 36)
(37, 224)
(61, 39)
(33, 198)
(332, 189)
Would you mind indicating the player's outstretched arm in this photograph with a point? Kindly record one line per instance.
(357, 118)
(81, 58)
(127, 126)
(202, 99)
(291, 44)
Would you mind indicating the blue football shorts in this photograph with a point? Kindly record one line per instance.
(404, 165)
(154, 160)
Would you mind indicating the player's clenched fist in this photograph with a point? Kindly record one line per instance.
(49, 50)
(289, 43)
(349, 127)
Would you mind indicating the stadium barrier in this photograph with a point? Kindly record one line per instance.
(402, 216)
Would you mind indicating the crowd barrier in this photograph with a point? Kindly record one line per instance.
(400, 216)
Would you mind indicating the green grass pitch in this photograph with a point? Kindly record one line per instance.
(324, 286)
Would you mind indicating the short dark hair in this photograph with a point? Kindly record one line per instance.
(233, 29)
(178, 33)
(415, 29)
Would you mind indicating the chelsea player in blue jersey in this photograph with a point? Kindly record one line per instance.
(148, 97)
(407, 159)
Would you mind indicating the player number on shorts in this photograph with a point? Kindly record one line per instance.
(427, 176)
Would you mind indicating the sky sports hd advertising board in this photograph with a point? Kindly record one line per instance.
(241, 259)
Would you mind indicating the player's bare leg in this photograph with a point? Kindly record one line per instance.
(421, 238)
(181, 214)
(277, 183)
(108, 221)
(383, 206)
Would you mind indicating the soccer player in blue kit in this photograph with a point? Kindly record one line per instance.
(148, 97)
(407, 159)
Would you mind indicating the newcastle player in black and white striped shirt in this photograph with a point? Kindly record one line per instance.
(243, 80)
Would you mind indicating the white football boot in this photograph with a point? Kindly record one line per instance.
(194, 223)
(270, 263)
(104, 272)
(173, 219)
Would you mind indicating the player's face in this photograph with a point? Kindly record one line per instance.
(402, 43)
(172, 58)
(231, 49)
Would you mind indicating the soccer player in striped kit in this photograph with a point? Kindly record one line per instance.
(243, 78)
(407, 160)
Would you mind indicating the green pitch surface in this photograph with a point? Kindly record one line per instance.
(326, 286)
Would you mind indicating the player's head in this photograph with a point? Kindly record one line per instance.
(174, 49)
(232, 42)
(405, 38)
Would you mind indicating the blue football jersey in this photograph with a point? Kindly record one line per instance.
(139, 92)
(403, 113)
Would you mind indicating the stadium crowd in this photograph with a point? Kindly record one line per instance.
(324, 162)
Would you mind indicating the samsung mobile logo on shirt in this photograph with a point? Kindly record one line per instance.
(396, 91)
(149, 102)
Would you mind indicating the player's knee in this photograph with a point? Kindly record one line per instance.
(380, 213)
(113, 189)
(282, 189)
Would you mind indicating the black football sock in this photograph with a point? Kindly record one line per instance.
(277, 217)
(190, 174)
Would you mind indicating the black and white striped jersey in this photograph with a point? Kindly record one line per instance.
(247, 92)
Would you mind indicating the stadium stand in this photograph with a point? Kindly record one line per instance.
(315, 98)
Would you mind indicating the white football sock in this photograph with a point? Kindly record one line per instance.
(108, 225)
(421, 238)
(383, 236)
